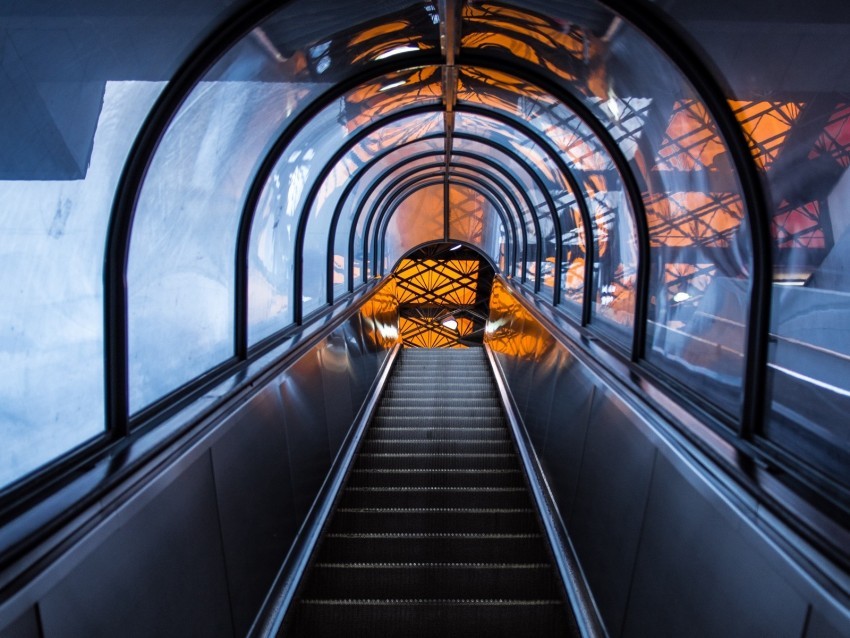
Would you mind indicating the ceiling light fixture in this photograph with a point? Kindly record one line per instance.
(407, 48)
(392, 86)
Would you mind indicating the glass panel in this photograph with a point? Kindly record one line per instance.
(544, 167)
(181, 270)
(318, 224)
(73, 97)
(473, 219)
(400, 156)
(700, 244)
(380, 197)
(528, 194)
(793, 106)
(285, 193)
(417, 219)
(501, 199)
(602, 188)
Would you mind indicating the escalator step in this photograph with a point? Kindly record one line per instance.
(519, 520)
(444, 411)
(440, 401)
(428, 433)
(401, 496)
(449, 477)
(439, 445)
(415, 618)
(474, 420)
(433, 580)
(434, 532)
(426, 460)
(419, 547)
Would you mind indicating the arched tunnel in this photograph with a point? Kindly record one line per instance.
(589, 257)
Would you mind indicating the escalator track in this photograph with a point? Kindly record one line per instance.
(434, 532)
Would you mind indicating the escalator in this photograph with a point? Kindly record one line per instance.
(434, 532)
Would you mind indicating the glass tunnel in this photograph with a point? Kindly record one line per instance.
(194, 194)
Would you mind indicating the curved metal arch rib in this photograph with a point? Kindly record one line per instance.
(472, 178)
(419, 182)
(508, 175)
(379, 233)
(498, 148)
(406, 179)
(369, 217)
(355, 178)
(660, 30)
(481, 188)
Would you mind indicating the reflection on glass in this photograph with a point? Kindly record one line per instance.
(395, 135)
(473, 219)
(51, 296)
(293, 177)
(688, 188)
(797, 125)
(416, 220)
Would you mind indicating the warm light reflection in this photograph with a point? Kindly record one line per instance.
(511, 330)
(385, 40)
(379, 314)
(397, 134)
(559, 47)
(693, 219)
(467, 211)
(437, 282)
(502, 91)
(766, 125)
(390, 93)
(686, 283)
(691, 141)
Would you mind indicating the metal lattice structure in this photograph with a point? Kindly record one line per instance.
(442, 292)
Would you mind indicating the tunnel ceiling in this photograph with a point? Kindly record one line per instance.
(247, 167)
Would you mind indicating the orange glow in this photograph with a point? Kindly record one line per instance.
(381, 29)
(430, 289)
(378, 315)
(529, 342)
(766, 125)
(441, 283)
(372, 101)
(466, 215)
(425, 333)
(693, 219)
(552, 44)
(691, 142)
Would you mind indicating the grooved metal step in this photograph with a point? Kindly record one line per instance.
(454, 477)
(431, 520)
(389, 433)
(432, 496)
(414, 618)
(436, 445)
(453, 460)
(433, 580)
(435, 547)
